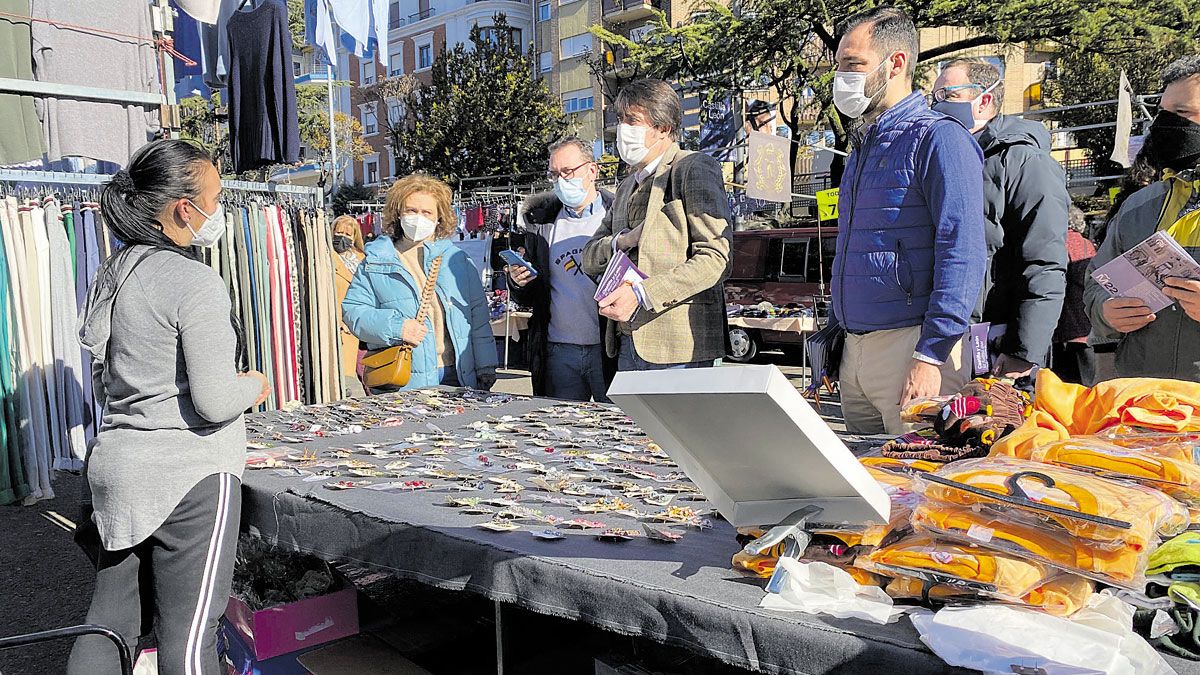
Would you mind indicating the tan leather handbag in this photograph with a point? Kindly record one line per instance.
(392, 366)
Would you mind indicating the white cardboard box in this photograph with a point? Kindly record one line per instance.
(752, 444)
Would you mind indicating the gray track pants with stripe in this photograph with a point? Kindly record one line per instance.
(176, 583)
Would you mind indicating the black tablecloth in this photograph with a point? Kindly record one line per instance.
(683, 594)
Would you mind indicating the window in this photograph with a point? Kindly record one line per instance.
(368, 72)
(545, 61)
(395, 112)
(794, 260)
(295, 69)
(394, 20)
(575, 45)
(370, 120)
(544, 11)
(425, 57)
(497, 36)
(577, 101)
(395, 64)
(372, 171)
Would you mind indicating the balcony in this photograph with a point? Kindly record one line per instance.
(421, 16)
(623, 11)
(395, 22)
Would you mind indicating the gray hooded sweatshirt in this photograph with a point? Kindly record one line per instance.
(165, 374)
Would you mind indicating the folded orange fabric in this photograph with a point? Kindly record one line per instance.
(1179, 479)
(1148, 512)
(1063, 410)
(1060, 596)
(1121, 566)
(1011, 576)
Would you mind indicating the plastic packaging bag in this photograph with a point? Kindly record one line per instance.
(987, 572)
(1147, 512)
(1062, 595)
(1179, 479)
(1183, 446)
(818, 588)
(1123, 566)
(995, 638)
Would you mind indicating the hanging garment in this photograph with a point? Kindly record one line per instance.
(97, 130)
(57, 413)
(20, 130)
(214, 45)
(33, 382)
(205, 11)
(67, 363)
(13, 486)
(68, 216)
(262, 93)
(89, 262)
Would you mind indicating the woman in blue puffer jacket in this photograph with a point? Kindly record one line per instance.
(454, 345)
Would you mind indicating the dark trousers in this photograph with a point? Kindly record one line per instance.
(576, 372)
(177, 582)
(1074, 362)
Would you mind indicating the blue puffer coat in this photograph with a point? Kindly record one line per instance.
(384, 294)
(910, 246)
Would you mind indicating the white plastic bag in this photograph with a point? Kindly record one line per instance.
(821, 588)
(993, 638)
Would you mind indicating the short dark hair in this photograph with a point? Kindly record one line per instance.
(983, 74)
(892, 30)
(658, 99)
(572, 141)
(1181, 69)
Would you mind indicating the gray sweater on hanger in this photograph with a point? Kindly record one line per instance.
(173, 400)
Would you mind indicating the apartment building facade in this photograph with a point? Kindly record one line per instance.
(418, 30)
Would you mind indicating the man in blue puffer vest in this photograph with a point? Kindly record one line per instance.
(911, 253)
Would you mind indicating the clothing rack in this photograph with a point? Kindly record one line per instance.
(65, 178)
(163, 24)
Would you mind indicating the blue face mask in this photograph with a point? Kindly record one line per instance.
(570, 192)
(959, 110)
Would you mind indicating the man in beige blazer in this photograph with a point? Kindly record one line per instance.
(671, 216)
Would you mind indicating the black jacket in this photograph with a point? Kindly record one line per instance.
(540, 211)
(1026, 203)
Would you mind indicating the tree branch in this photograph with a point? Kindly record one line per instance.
(968, 43)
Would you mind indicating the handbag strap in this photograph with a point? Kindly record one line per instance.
(427, 291)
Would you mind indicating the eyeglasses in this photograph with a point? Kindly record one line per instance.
(566, 173)
(944, 93)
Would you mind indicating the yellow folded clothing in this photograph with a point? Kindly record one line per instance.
(1122, 566)
(1006, 576)
(1148, 512)
(1182, 446)
(1179, 479)
(1062, 595)
(1063, 410)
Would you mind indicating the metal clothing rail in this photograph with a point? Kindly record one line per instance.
(65, 178)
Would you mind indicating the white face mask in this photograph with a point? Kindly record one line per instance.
(417, 227)
(849, 91)
(631, 143)
(211, 231)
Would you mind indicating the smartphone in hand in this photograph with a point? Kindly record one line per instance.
(515, 260)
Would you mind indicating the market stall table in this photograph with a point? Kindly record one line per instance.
(683, 593)
(511, 326)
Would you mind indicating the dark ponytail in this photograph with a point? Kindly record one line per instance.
(158, 174)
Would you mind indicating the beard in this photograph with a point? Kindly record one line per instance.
(877, 83)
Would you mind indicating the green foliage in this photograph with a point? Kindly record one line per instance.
(1090, 77)
(349, 194)
(202, 122)
(484, 114)
(787, 46)
(312, 116)
(296, 22)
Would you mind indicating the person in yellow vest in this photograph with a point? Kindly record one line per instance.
(348, 254)
(1165, 344)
